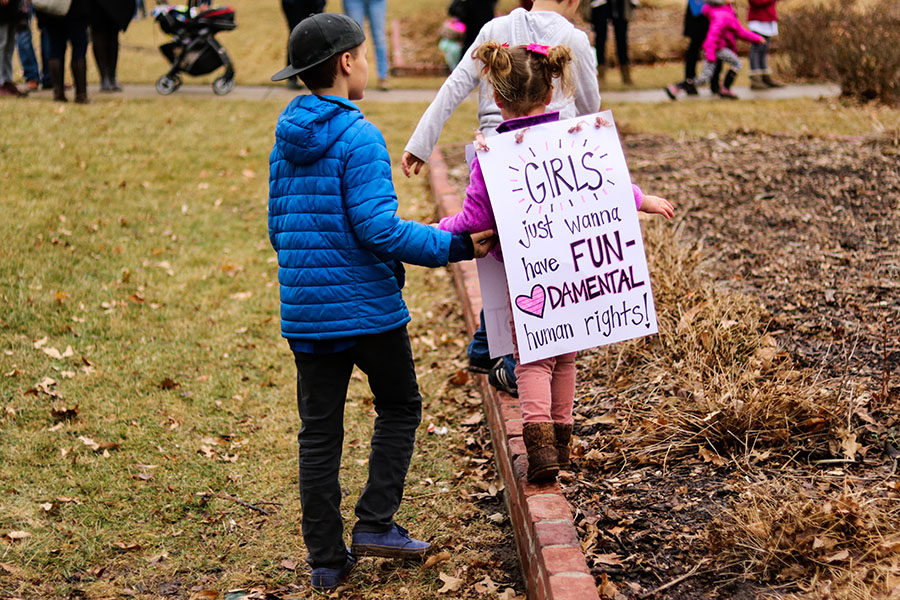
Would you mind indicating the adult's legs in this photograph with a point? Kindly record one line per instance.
(77, 34)
(376, 11)
(57, 42)
(599, 20)
(27, 57)
(46, 81)
(620, 29)
(387, 360)
(322, 381)
(7, 49)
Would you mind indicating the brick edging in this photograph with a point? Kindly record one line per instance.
(547, 545)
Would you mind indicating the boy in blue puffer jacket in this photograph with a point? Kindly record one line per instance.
(341, 245)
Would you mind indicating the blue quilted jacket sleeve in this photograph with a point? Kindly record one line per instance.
(371, 205)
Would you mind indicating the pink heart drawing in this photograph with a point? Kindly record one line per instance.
(533, 304)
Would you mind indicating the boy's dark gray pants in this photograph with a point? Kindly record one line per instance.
(322, 381)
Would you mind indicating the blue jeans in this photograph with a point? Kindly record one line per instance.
(27, 57)
(376, 12)
(478, 349)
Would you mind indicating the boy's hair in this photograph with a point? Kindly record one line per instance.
(323, 74)
(523, 75)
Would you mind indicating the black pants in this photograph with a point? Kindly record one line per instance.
(322, 381)
(297, 10)
(600, 16)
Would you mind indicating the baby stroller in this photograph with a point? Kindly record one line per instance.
(194, 49)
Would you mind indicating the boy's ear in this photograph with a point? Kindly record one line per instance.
(345, 62)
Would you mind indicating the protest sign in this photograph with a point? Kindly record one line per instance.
(568, 226)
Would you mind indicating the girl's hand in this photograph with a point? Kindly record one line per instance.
(410, 162)
(657, 205)
(479, 143)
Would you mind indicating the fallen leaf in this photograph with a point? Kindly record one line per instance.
(451, 584)
(204, 595)
(17, 535)
(290, 565)
(435, 559)
(126, 547)
(474, 420)
(838, 556)
(89, 442)
(10, 569)
(169, 384)
(61, 413)
(461, 377)
(509, 594)
(607, 559)
(607, 588)
(158, 558)
(486, 586)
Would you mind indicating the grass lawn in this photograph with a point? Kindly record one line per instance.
(145, 390)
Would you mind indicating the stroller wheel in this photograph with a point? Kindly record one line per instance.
(166, 85)
(222, 85)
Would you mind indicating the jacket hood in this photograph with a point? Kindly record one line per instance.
(311, 124)
(550, 27)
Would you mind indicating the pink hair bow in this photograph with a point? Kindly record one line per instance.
(538, 49)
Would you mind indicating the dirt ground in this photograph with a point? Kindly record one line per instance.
(809, 229)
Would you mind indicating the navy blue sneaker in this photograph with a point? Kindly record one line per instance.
(483, 365)
(324, 578)
(393, 543)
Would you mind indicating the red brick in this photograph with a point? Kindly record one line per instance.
(510, 410)
(548, 506)
(572, 586)
(531, 489)
(516, 446)
(559, 533)
(520, 467)
(513, 427)
(564, 559)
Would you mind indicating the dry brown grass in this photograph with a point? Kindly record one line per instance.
(713, 383)
(828, 538)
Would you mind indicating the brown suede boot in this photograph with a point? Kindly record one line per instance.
(767, 79)
(540, 444)
(563, 432)
(626, 74)
(601, 75)
(757, 83)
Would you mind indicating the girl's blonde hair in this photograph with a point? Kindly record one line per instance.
(523, 75)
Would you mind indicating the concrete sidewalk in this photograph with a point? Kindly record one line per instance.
(281, 93)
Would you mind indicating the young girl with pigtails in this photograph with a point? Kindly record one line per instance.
(522, 79)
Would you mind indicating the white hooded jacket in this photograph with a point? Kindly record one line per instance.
(518, 27)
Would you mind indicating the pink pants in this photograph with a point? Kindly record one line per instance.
(546, 387)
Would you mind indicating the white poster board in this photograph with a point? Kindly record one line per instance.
(572, 247)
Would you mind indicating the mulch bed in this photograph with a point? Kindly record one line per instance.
(808, 227)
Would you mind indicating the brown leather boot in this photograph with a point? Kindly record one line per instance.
(56, 77)
(626, 74)
(757, 83)
(563, 432)
(540, 444)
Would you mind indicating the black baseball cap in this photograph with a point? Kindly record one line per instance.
(317, 38)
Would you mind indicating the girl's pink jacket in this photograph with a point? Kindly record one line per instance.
(724, 28)
(477, 214)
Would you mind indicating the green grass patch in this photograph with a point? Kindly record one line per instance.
(139, 241)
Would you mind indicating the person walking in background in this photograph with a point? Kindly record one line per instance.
(10, 16)
(71, 28)
(696, 26)
(762, 18)
(474, 14)
(720, 44)
(619, 12)
(294, 12)
(27, 57)
(108, 18)
(376, 12)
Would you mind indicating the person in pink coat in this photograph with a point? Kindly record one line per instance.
(762, 18)
(721, 43)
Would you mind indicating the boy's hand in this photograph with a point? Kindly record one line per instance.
(410, 162)
(483, 241)
(479, 142)
(657, 205)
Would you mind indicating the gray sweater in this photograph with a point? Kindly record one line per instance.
(518, 27)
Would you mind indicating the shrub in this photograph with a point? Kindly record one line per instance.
(855, 46)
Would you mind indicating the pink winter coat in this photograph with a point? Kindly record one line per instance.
(762, 10)
(477, 213)
(724, 28)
